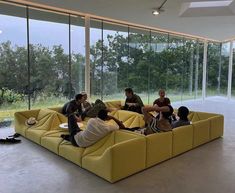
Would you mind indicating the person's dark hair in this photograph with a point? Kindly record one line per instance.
(183, 113)
(102, 114)
(168, 114)
(129, 90)
(78, 97)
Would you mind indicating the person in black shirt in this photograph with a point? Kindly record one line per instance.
(162, 100)
(73, 110)
(74, 107)
(133, 102)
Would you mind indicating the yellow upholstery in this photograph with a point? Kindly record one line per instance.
(159, 148)
(182, 139)
(70, 152)
(21, 117)
(114, 161)
(203, 115)
(113, 104)
(51, 139)
(193, 117)
(129, 119)
(201, 132)
(121, 153)
(216, 126)
(47, 120)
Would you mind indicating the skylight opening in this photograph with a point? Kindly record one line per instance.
(204, 4)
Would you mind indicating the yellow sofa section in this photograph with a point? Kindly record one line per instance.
(182, 139)
(159, 148)
(121, 153)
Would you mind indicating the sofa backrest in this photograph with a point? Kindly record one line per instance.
(129, 119)
(113, 104)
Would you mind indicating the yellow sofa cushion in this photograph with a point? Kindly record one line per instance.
(193, 117)
(129, 119)
(201, 132)
(47, 120)
(71, 153)
(114, 161)
(113, 104)
(51, 139)
(182, 139)
(216, 126)
(159, 148)
(20, 118)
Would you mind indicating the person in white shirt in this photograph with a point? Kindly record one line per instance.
(96, 129)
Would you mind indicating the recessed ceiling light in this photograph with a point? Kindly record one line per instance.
(0, 31)
(155, 12)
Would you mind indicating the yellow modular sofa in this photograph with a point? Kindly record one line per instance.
(121, 153)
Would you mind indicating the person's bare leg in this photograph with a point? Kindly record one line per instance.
(147, 116)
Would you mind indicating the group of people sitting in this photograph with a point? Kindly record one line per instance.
(158, 118)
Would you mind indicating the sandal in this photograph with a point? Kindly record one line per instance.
(9, 141)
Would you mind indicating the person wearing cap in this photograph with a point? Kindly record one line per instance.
(183, 117)
(133, 101)
(96, 129)
(161, 124)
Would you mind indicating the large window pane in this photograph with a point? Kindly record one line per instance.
(138, 65)
(115, 61)
(13, 61)
(191, 70)
(96, 59)
(175, 68)
(233, 72)
(77, 54)
(49, 51)
(213, 69)
(223, 71)
(158, 64)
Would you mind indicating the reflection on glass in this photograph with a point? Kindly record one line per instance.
(158, 64)
(13, 62)
(213, 69)
(138, 65)
(49, 53)
(115, 61)
(96, 57)
(77, 55)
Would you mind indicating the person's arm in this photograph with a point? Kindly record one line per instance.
(156, 108)
(125, 107)
(119, 123)
(139, 102)
(168, 101)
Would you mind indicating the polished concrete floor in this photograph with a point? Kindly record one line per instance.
(29, 168)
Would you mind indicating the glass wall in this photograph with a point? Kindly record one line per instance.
(77, 33)
(223, 69)
(233, 71)
(13, 61)
(96, 59)
(49, 58)
(138, 63)
(120, 56)
(158, 63)
(115, 61)
(213, 69)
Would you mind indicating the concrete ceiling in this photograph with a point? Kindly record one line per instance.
(216, 23)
